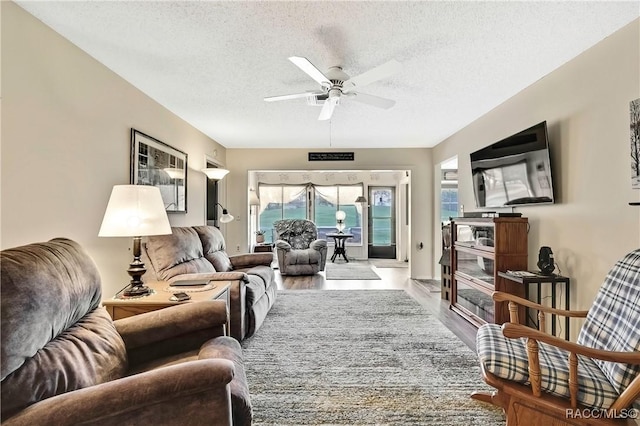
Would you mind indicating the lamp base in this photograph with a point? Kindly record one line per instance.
(136, 271)
(137, 291)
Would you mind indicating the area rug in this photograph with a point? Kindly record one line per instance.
(388, 263)
(361, 357)
(350, 271)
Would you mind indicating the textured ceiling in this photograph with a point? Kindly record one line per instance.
(212, 63)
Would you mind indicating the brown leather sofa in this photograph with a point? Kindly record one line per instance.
(199, 251)
(65, 362)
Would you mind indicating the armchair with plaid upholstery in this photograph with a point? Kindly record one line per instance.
(541, 379)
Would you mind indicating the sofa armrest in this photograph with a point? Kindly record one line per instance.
(231, 276)
(176, 321)
(318, 245)
(248, 260)
(283, 245)
(201, 386)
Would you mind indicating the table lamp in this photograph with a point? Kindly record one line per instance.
(135, 211)
(340, 217)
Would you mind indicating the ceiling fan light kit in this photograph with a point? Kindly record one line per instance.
(336, 84)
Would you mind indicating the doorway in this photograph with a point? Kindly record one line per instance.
(382, 222)
(212, 199)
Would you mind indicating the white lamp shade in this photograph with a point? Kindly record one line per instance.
(215, 173)
(174, 173)
(253, 198)
(340, 215)
(135, 211)
(226, 217)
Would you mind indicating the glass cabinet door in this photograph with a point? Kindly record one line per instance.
(475, 266)
(480, 237)
(475, 301)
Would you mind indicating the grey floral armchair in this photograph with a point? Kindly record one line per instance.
(298, 248)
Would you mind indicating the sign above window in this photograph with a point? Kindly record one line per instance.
(331, 156)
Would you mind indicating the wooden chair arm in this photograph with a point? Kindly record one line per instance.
(630, 394)
(514, 331)
(499, 296)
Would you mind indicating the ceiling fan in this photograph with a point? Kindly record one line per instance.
(336, 84)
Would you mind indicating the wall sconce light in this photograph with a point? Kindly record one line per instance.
(226, 217)
(340, 218)
(215, 173)
(135, 211)
(361, 199)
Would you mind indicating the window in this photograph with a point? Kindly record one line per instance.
(328, 200)
(449, 203)
(290, 202)
(280, 202)
(448, 195)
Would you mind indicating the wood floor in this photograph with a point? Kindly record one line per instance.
(425, 293)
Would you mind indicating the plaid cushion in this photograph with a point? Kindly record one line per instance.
(507, 359)
(613, 322)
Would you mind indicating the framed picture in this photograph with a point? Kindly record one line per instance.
(634, 111)
(157, 164)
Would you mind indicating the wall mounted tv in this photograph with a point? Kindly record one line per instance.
(514, 171)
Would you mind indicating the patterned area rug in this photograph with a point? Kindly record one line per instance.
(350, 271)
(361, 358)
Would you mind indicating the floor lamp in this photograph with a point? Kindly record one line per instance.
(226, 217)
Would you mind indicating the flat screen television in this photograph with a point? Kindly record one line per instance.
(514, 171)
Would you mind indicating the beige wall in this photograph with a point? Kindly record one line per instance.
(418, 161)
(586, 105)
(65, 142)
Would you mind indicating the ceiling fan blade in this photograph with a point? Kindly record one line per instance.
(293, 96)
(305, 65)
(378, 73)
(375, 101)
(327, 108)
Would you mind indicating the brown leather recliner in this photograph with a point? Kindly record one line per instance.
(65, 362)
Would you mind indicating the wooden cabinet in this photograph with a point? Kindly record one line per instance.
(482, 247)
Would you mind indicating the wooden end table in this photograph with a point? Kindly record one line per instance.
(123, 308)
(263, 248)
